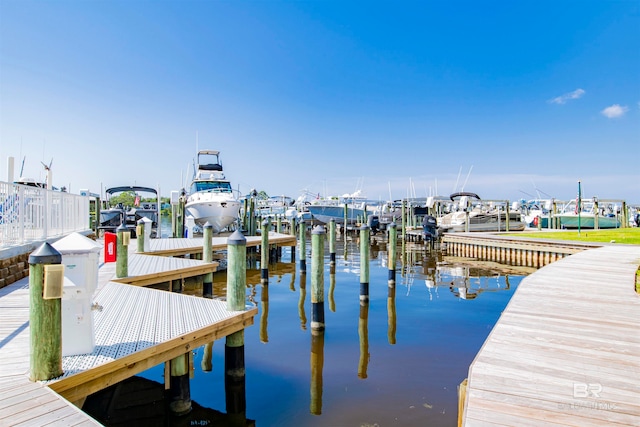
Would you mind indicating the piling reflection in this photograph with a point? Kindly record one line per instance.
(206, 363)
(317, 365)
(463, 279)
(332, 287)
(264, 312)
(363, 334)
(391, 313)
(303, 295)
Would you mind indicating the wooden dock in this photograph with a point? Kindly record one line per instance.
(566, 350)
(513, 250)
(147, 269)
(137, 328)
(180, 246)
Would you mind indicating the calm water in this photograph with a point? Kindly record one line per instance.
(375, 365)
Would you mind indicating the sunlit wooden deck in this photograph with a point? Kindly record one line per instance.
(22, 402)
(179, 246)
(147, 269)
(566, 350)
(137, 328)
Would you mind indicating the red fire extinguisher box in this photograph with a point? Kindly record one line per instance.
(110, 247)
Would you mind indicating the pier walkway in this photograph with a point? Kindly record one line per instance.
(566, 350)
(183, 246)
(136, 329)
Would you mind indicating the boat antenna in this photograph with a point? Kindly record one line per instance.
(22, 167)
(455, 187)
(465, 181)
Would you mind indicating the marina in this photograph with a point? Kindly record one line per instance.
(319, 214)
(435, 318)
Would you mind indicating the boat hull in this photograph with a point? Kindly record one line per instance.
(325, 214)
(587, 221)
(220, 214)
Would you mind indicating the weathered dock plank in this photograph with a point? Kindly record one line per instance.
(137, 328)
(125, 344)
(180, 246)
(566, 350)
(22, 402)
(145, 269)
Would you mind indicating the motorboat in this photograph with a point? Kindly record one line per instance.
(589, 214)
(128, 205)
(470, 214)
(333, 208)
(211, 198)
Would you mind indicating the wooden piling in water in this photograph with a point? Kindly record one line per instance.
(207, 256)
(332, 241)
(234, 346)
(264, 252)
(364, 263)
(303, 247)
(179, 387)
(45, 313)
(317, 278)
(392, 248)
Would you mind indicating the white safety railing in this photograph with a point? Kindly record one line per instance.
(29, 214)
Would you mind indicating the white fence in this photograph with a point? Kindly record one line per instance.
(29, 214)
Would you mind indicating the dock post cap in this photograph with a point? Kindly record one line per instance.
(318, 229)
(265, 222)
(208, 225)
(45, 254)
(392, 224)
(140, 221)
(237, 238)
(364, 227)
(122, 228)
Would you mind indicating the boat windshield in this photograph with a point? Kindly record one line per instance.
(215, 186)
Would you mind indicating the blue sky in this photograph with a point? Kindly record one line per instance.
(400, 98)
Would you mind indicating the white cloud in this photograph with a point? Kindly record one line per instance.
(614, 111)
(562, 99)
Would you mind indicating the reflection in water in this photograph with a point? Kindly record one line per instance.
(264, 312)
(439, 322)
(303, 296)
(317, 364)
(391, 312)
(363, 334)
(332, 287)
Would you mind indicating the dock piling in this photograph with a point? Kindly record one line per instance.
(234, 370)
(264, 252)
(364, 263)
(179, 387)
(303, 247)
(317, 278)
(45, 313)
(140, 235)
(207, 256)
(123, 236)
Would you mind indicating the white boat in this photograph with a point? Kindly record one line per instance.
(605, 215)
(333, 208)
(480, 217)
(211, 198)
